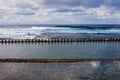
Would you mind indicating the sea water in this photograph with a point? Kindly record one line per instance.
(85, 50)
(59, 31)
(93, 70)
(60, 50)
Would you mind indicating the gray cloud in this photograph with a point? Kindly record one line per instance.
(25, 13)
(112, 3)
(74, 3)
(60, 11)
(27, 5)
(84, 3)
(69, 10)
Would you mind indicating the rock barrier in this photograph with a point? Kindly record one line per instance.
(60, 40)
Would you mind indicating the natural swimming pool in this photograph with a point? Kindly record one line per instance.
(81, 50)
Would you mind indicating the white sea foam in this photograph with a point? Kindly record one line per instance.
(31, 32)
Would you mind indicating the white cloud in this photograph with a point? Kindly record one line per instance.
(38, 11)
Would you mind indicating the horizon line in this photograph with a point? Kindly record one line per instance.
(49, 24)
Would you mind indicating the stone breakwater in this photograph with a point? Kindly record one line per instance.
(60, 40)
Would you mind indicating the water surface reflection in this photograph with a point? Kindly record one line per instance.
(94, 70)
(61, 50)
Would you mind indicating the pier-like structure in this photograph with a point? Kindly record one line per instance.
(60, 40)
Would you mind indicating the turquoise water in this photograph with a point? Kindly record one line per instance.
(61, 50)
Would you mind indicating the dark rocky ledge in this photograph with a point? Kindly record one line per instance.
(53, 60)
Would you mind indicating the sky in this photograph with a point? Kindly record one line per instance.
(59, 11)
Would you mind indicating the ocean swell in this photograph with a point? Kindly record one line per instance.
(33, 31)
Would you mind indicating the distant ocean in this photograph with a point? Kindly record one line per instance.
(59, 31)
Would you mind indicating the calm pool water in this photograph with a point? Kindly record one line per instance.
(61, 50)
(61, 71)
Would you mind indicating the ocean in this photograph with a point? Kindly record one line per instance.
(59, 31)
(74, 50)
(86, 70)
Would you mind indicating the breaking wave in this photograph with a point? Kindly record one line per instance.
(33, 31)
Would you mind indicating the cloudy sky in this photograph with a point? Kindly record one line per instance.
(59, 11)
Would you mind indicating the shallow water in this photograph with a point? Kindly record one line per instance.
(61, 71)
(74, 50)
